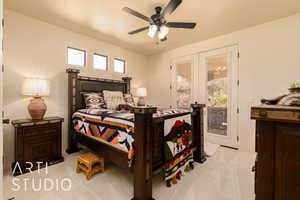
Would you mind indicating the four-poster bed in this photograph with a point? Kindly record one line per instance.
(148, 132)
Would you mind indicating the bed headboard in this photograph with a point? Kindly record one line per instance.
(81, 84)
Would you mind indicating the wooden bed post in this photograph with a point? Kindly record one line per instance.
(127, 80)
(143, 143)
(72, 87)
(198, 132)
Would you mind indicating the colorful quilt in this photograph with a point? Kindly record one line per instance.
(178, 151)
(114, 127)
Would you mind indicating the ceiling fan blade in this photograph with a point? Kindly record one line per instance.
(138, 30)
(137, 14)
(173, 4)
(181, 25)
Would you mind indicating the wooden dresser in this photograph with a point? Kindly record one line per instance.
(37, 141)
(277, 167)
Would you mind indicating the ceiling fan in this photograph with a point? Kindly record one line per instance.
(158, 23)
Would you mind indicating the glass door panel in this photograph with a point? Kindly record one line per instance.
(183, 82)
(217, 94)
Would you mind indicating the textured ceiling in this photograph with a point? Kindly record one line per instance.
(104, 19)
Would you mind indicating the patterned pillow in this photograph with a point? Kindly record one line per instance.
(128, 98)
(94, 100)
(113, 99)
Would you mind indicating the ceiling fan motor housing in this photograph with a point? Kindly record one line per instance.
(156, 18)
(158, 9)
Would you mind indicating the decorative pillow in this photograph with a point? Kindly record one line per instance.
(128, 98)
(113, 99)
(94, 100)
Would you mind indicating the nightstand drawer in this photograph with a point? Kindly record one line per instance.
(49, 129)
(42, 148)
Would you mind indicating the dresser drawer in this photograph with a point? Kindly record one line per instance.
(49, 129)
(275, 115)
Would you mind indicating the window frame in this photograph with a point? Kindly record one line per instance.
(106, 66)
(77, 49)
(124, 61)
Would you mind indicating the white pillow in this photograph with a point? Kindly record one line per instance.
(113, 99)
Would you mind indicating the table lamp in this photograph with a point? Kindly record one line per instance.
(141, 93)
(37, 88)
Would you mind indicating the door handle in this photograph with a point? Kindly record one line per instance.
(6, 121)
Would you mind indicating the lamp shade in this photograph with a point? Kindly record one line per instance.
(36, 87)
(141, 92)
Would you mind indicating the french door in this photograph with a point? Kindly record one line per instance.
(219, 82)
(211, 78)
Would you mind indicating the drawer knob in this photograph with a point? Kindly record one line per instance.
(263, 114)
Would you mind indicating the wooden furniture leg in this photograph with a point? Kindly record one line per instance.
(78, 170)
(143, 147)
(198, 132)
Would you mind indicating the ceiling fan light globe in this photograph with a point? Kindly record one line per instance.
(152, 31)
(164, 30)
(153, 28)
(161, 35)
(151, 34)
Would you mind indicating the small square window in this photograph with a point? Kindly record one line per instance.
(76, 57)
(100, 62)
(119, 66)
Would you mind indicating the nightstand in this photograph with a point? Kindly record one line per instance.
(37, 143)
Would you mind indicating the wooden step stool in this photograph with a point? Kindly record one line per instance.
(90, 164)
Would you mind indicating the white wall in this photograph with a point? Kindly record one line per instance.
(37, 49)
(269, 63)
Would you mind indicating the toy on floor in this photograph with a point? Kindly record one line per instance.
(90, 164)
